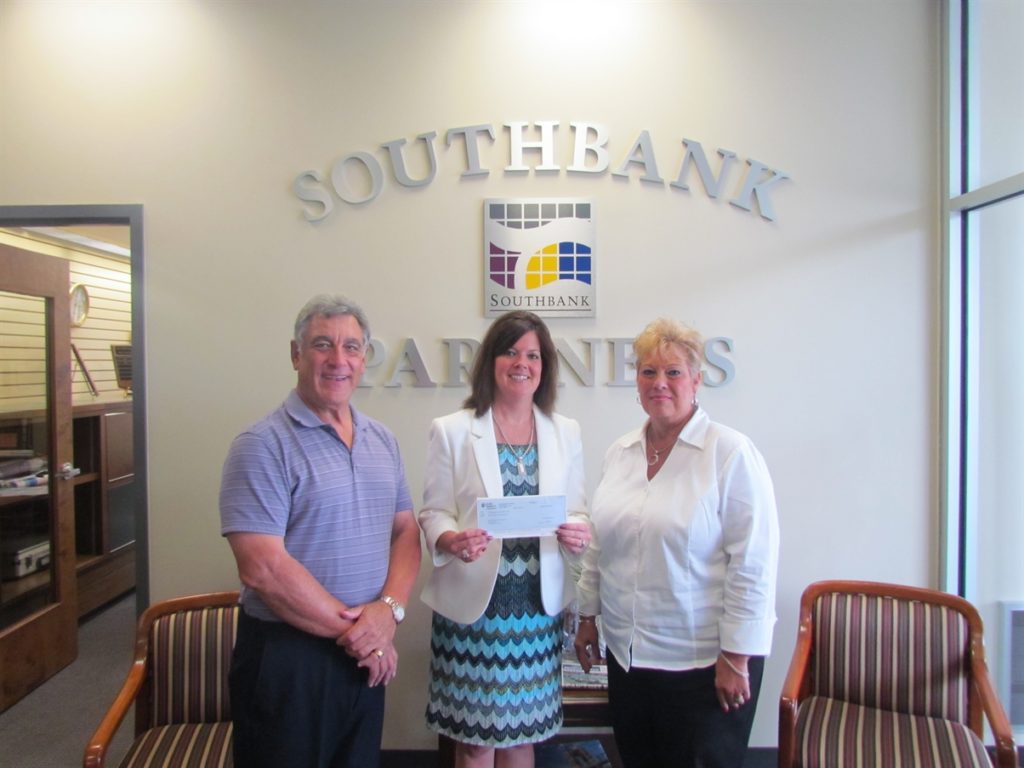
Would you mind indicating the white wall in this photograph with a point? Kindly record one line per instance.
(206, 111)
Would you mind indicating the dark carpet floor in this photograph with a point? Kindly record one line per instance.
(50, 727)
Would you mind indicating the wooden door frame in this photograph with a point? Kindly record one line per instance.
(131, 216)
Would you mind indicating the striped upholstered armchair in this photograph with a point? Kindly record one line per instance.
(179, 686)
(887, 675)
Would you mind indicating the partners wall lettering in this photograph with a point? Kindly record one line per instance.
(357, 178)
(613, 358)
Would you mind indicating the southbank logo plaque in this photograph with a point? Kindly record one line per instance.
(539, 256)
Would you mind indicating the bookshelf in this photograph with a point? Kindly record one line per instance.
(104, 502)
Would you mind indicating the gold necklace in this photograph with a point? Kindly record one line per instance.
(520, 463)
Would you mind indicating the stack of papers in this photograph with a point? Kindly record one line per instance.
(573, 675)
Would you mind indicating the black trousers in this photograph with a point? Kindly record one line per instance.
(666, 719)
(300, 700)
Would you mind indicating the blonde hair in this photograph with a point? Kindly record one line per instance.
(663, 333)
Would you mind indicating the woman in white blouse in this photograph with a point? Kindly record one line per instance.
(681, 569)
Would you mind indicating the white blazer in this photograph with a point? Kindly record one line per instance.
(462, 466)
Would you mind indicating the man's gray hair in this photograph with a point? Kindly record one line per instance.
(329, 306)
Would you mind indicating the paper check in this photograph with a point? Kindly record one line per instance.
(512, 517)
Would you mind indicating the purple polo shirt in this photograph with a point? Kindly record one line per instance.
(291, 475)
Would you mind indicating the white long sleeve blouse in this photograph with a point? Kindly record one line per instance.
(683, 565)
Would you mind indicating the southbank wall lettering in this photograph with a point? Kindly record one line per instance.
(357, 178)
(406, 365)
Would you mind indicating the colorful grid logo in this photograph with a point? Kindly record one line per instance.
(559, 261)
(539, 256)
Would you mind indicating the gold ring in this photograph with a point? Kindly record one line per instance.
(380, 653)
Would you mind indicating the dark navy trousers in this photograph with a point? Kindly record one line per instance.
(300, 700)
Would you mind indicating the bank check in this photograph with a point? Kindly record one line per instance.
(511, 517)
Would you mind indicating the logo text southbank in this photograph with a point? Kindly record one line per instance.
(357, 178)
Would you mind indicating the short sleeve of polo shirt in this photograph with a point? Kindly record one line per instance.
(254, 492)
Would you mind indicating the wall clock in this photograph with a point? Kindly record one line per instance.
(79, 304)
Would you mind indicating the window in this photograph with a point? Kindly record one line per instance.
(983, 393)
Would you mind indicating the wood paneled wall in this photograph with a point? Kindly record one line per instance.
(108, 280)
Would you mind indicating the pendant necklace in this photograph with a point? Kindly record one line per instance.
(657, 453)
(520, 464)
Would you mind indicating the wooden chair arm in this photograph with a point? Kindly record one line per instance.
(96, 752)
(1006, 750)
(794, 690)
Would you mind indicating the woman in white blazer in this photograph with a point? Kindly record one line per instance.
(495, 684)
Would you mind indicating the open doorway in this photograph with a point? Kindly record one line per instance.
(108, 384)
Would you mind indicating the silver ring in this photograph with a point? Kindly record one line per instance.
(379, 653)
(465, 555)
(739, 700)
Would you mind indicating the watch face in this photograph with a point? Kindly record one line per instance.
(397, 610)
(79, 301)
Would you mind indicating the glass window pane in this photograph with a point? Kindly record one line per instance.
(999, 522)
(25, 509)
(996, 90)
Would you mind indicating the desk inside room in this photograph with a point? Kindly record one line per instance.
(585, 718)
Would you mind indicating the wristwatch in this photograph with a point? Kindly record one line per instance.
(397, 610)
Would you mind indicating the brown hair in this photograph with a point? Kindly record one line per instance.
(502, 336)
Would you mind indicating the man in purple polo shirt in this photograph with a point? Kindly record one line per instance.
(316, 508)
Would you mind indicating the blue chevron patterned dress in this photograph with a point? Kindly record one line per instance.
(497, 682)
